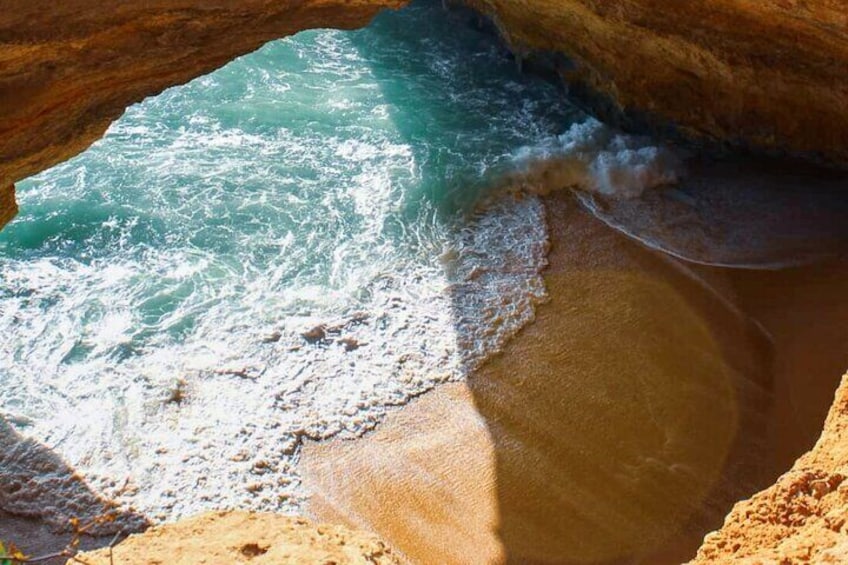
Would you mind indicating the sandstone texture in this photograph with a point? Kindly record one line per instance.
(768, 74)
(242, 537)
(803, 517)
(68, 69)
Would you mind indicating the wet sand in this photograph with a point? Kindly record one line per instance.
(648, 397)
(804, 310)
(618, 428)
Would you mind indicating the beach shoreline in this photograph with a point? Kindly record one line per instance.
(548, 453)
(553, 449)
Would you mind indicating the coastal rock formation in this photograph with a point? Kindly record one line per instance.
(803, 517)
(242, 537)
(68, 69)
(768, 74)
(8, 204)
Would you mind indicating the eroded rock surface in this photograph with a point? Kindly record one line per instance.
(768, 74)
(803, 517)
(243, 537)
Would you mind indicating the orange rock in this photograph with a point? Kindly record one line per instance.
(242, 537)
(769, 73)
(802, 517)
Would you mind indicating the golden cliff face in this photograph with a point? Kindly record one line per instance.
(769, 74)
(70, 68)
(803, 517)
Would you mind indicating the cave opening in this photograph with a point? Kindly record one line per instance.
(261, 242)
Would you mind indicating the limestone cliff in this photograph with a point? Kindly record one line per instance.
(768, 74)
(68, 69)
(803, 517)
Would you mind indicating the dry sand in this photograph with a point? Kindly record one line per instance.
(618, 428)
(235, 538)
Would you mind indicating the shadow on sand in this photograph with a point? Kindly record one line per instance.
(40, 493)
(618, 428)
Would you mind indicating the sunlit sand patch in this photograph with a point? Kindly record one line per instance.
(620, 425)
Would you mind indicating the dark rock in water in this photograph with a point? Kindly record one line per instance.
(358, 318)
(273, 337)
(350, 343)
(178, 393)
(250, 373)
(316, 334)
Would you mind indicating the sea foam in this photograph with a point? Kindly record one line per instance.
(596, 158)
(282, 250)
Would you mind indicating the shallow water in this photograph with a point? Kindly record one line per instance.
(290, 246)
(158, 286)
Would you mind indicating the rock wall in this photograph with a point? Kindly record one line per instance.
(768, 75)
(70, 68)
(803, 517)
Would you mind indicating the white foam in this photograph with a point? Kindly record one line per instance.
(251, 385)
(594, 157)
(162, 356)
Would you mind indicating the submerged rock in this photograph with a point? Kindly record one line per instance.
(316, 334)
(350, 343)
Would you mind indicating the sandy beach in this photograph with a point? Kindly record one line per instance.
(648, 396)
(619, 427)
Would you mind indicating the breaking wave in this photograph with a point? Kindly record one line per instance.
(595, 158)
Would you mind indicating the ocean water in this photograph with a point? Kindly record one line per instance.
(280, 250)
(287, 248)
(284, 249)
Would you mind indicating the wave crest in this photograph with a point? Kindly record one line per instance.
(593, 157)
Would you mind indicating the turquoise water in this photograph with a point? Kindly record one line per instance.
(328, 181)
(293, 244)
